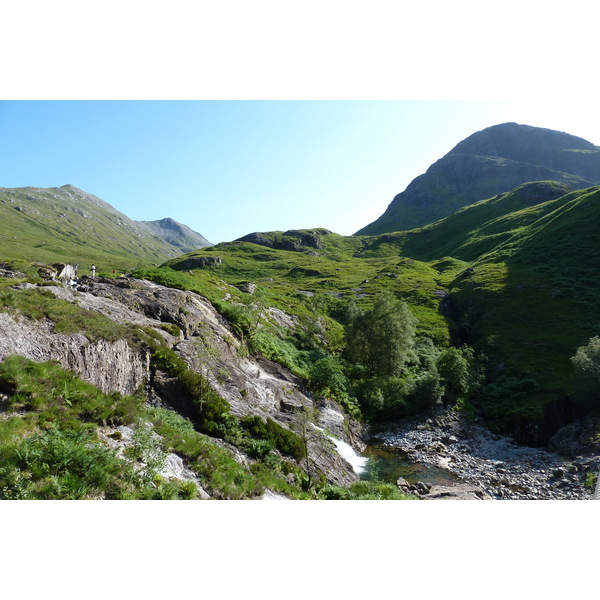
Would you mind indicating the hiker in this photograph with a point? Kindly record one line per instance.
(93, 270)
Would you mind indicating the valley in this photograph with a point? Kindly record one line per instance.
(252, 367)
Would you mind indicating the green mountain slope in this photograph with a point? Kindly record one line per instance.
(475, 229)
(487, 163)
(514, 276)
(69, 225)
(297, 270)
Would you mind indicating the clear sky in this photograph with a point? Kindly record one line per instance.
(228, 168)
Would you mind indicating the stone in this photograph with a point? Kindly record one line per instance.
(402, 483)
(247, 287)
(199, 262)
(449, 439)
(461, 491)
(437, 447)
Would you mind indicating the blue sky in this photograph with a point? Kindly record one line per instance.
(227, 168)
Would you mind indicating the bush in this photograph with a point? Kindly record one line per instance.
(362, 490)
(327, 378)
(504, 401)
(286, 441)
(587, 358)
(459, 371)
(386, 398)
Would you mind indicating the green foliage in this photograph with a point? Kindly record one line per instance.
(67, 317)
(381, 339)
(385, 398)
(171, 328)
(362, 490)
(286, 441)
(587, 358)
(460, 373)
(60, 464)
(327, 378)
(244, 319)
(49, 449)
(505, 401)
(220, 473)
(282, 351)
(59, 397)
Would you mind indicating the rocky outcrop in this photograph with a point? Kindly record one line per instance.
(293, 240)
(252, 385)
(110, 366)
(198, 262)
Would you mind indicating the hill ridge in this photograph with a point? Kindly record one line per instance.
(486, 163)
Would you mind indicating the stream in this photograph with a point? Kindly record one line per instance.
(443, 456)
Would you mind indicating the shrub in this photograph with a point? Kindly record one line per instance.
(286, 441)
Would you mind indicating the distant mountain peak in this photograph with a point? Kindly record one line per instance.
(489, 162)
(176, 234)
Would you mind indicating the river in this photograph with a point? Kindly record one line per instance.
(445, 450)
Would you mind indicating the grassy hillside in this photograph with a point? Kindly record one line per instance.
(298, 281)
(68, 225)
(513, 276)
(531, 298)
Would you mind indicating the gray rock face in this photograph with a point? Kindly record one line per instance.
(252, 386)
(176, 234)
(292, 240)
(198, 262)
(461, 491)
(110, 366)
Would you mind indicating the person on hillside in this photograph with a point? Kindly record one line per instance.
(93, 270)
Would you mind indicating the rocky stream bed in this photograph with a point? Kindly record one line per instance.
(483, 465)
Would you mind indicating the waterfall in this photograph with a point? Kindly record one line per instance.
(346, 451)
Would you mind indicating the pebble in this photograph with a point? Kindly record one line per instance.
(496, 464)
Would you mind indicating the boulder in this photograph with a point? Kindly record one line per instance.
(461, 491)
(198, 262)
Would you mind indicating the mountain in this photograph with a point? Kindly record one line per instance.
(66, 224)
(490, 162)
(176, 234)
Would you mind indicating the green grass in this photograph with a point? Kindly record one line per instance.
(64, 225)
(289, 281)
(49, 447)
(40, 304)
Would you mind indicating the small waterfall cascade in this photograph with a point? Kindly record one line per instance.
(347, 452)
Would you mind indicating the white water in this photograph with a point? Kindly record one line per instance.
(346, 451)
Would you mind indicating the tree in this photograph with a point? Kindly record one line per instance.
(314, 445)
(327, 377)
(587, 358)
(460, 372)
(381, 339)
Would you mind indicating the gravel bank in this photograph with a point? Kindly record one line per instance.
(494, 464)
